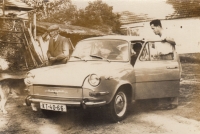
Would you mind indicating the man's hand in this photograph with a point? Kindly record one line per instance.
(169, 39)
(52, 58)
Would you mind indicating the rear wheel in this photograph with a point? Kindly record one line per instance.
(117, 109)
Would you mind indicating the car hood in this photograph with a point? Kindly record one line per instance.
(74, 73)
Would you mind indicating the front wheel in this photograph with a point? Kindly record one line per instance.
(117, 109)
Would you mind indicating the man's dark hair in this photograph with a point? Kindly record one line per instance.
(137, 47)
(156, 23)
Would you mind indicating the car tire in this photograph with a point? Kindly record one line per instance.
(49, 113)
(117, 108)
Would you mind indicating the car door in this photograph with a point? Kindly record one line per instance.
(157, 71)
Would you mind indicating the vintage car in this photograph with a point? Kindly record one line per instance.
(108, 71)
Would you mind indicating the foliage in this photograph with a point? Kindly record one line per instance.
(62, 16)
(185, 8)
(98, 14)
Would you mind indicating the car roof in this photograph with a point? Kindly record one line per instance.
(119, 37)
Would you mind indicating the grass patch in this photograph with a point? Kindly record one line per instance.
(190, 58)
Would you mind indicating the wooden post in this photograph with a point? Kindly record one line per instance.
(34, 24)
(3, 8)
(30, 25)
(28, 46)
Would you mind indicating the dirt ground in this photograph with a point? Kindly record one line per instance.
(141, 118)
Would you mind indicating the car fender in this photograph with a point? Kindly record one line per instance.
(125, 85)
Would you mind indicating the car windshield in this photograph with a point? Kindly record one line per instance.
(109, 50)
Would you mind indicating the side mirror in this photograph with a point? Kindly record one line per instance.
(153, 46)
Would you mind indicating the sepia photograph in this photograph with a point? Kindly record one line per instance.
(99, 66)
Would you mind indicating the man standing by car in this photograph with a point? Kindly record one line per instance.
(58, 50)
(156, 26)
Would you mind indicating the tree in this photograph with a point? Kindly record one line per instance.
(98, 14)
(185, 8)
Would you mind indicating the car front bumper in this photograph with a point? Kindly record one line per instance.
(34, 102)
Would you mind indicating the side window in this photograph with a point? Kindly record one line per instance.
(156, 51)
(161, 51)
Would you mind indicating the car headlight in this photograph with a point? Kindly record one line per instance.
(29, 78)
(94, 80)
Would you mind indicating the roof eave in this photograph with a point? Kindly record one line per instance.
(12, 7)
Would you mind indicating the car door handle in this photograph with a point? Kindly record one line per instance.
(171, 67)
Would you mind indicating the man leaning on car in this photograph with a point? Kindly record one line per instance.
(156, 26)
(58, 50)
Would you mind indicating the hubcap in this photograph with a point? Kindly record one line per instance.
(120, 104)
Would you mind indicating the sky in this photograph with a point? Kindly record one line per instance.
(153, 8)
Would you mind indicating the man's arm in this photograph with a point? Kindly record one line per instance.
(65, 48)
(170, 40)
(167, 38)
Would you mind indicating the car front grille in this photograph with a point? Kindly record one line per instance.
(57, 91)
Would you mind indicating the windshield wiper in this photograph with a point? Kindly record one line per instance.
(99, 57)
(78, 58)
(96, 56)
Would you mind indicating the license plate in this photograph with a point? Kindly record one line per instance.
(53, 107)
